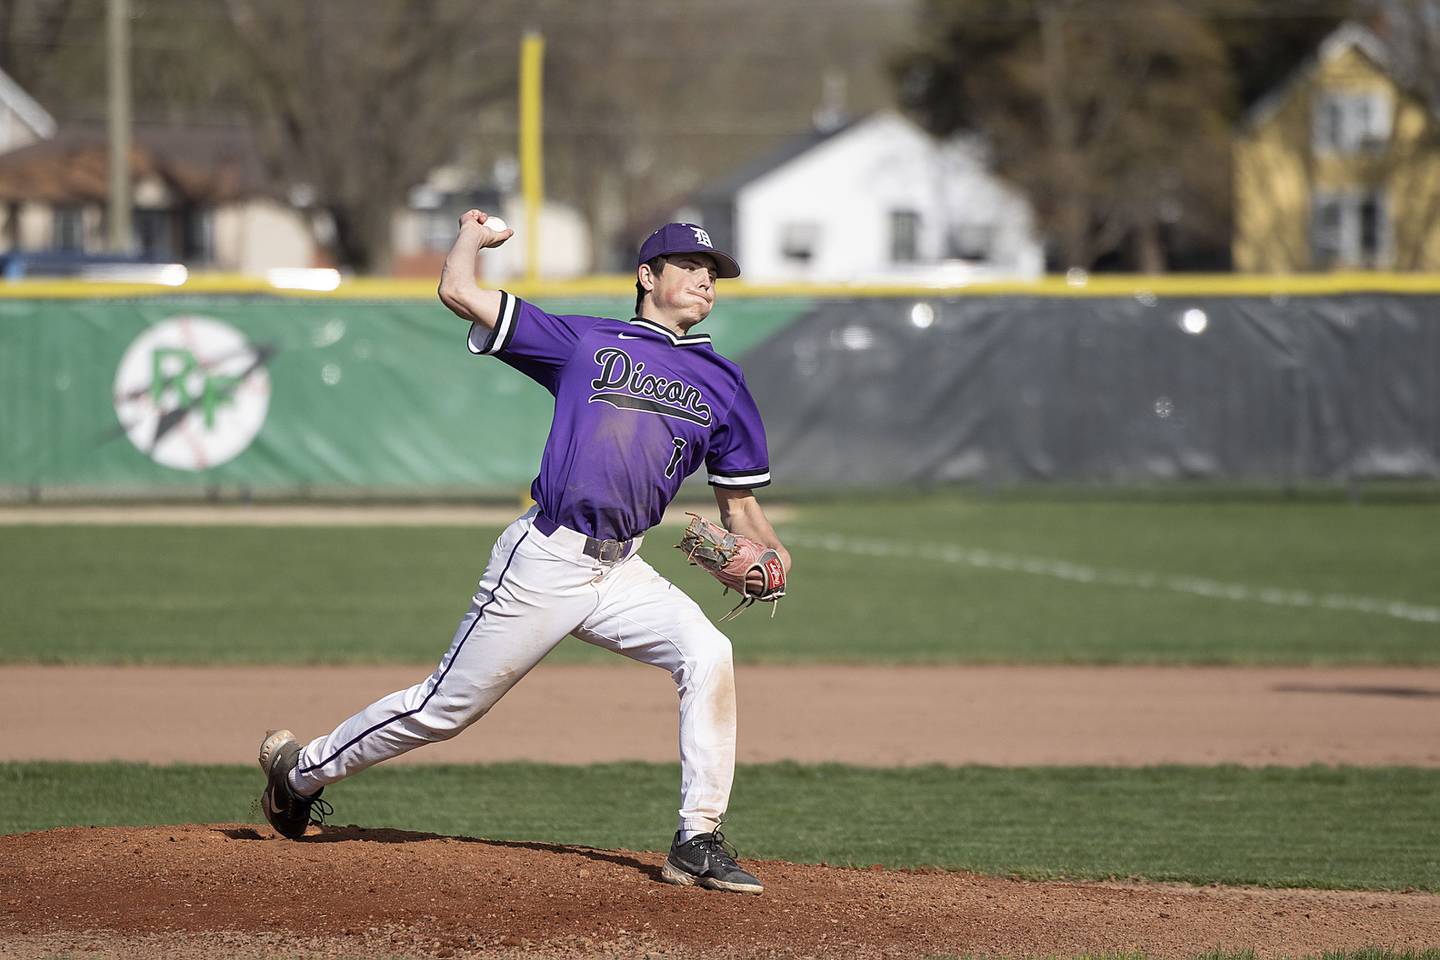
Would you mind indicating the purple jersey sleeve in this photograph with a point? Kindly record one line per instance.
(536, 343)
(738, 456)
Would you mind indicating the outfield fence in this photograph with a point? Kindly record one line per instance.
(235, 391)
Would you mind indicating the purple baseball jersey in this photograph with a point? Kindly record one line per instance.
(637, 410)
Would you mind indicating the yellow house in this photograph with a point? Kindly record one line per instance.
(1338, 168)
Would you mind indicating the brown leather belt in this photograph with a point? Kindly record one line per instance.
(606, 551)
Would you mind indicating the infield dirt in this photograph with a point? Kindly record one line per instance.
(236, 890)
(867, 715)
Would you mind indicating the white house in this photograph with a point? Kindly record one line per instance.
(22, 120)
(876, 199)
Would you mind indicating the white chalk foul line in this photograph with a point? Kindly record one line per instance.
(1079, 573)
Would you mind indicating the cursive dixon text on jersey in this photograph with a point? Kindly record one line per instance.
(624, 384)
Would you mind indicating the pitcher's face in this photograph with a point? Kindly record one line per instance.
(684, 287)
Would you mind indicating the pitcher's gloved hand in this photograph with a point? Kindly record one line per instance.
(751, 569)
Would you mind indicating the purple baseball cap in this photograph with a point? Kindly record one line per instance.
(686, 238)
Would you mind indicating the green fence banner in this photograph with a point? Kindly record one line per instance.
(275, 396)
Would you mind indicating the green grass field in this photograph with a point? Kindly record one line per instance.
(922, 579)
(1315, 827)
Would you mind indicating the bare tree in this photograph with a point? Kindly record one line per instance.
(1113, 117)
(30, 34)
(1411, 31)
(359, 101)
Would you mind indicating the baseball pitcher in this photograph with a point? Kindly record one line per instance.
(639, 406)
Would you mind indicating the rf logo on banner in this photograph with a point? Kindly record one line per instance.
(192, 392)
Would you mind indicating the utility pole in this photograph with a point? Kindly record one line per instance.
(118, 212)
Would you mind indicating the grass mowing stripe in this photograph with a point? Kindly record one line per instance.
(1077, 573)
(1347, 827)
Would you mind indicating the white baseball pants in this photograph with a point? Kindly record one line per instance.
(536, 589)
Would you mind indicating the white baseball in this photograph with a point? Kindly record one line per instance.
(496, 224)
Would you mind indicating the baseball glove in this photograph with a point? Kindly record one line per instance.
(729, 558)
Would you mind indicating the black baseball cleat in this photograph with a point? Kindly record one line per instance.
(288, 812)
(706, 860)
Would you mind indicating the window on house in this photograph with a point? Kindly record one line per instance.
(970, 241)
(437, 229)
(1326, 229)
(199, 235)
(1351, 121)
(437, 210)
(154, 234)
(797, 241)
(67, 231)
(1349, 230)
(1370, 227)
(904, 236)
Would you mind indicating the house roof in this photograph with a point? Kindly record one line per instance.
(203, 164)
(727, 187)
(25, 107)
(1347, 36)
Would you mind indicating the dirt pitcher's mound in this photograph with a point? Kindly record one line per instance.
(238, 890)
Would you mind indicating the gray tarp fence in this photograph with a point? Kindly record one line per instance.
(1266, 390)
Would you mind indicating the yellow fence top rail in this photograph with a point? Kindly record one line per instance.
(1095, 285)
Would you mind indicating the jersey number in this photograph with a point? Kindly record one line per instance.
(675, 457)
